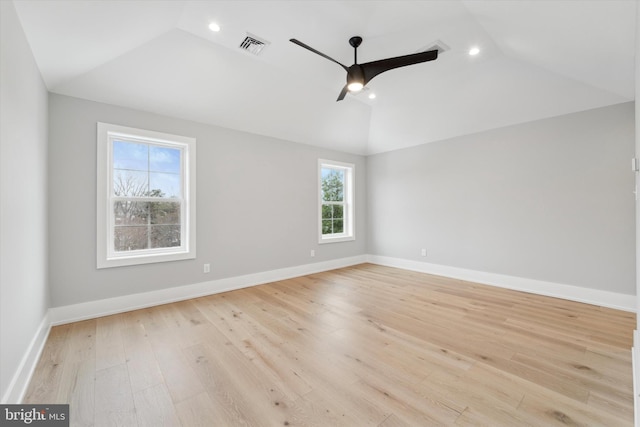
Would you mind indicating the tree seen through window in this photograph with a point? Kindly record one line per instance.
(147, 192)
(332, 201)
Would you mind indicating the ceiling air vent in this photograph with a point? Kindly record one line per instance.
(253, 44)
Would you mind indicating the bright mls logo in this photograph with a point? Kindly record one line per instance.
(34, 415)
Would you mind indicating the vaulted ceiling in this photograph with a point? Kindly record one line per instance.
(537, 59)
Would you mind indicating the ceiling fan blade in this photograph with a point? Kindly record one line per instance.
(299, 43)
(373, 68)
(343, 93)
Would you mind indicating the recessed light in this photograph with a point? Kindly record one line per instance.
(474, 51)
(214, 27)
(372, 96)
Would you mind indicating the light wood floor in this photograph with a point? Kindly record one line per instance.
(360, 346)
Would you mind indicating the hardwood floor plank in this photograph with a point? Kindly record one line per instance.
(80, 392)
(113, 398)
(393, 421)
(406, 404)
(82, 341)
(343, 406)
(318, 409)
(240, 397)
(480, 387)
(141, 362)
(180, 379)
(582, 376)
(554, 410)
(199, 411)
(154, 407)
(360, 346)
(258, 343)
(485, 416)
(109, 346)
(621, 408)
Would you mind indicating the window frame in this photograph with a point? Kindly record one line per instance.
(348, 233)
(106, 255)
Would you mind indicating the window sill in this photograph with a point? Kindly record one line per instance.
(324, 240)
(144, 259)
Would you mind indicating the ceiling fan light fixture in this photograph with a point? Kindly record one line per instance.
(355, 86)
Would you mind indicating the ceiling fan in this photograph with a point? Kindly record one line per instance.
(358, 75)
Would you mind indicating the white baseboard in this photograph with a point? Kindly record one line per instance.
(105, 307)
(569, 292)
(18, 385)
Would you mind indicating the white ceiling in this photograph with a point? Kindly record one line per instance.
(538, 59)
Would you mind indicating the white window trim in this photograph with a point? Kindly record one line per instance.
(104, 231)
(349, 233)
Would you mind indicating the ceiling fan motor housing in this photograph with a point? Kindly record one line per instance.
(355, 75)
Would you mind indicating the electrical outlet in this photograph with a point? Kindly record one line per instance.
(423, 252)
(207, 268)
(313, 253)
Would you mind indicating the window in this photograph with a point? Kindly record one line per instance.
(145, 196)
(336, 201)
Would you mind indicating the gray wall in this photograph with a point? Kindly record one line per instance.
(549, 200)
(24, 296)
(256, 204)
